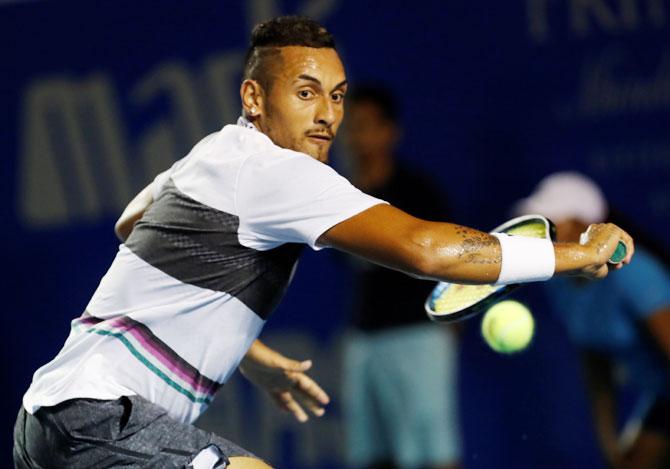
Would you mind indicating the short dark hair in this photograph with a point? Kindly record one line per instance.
(283, 31)
(379, 96)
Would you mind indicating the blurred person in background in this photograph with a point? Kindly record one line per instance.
(400, 370)
(621, 325)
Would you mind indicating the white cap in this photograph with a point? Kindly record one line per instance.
(565, 195)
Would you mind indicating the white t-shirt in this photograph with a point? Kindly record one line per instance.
(193, 285)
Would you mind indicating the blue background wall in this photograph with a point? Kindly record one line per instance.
(97, 97)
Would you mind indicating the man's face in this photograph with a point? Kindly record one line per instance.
(305, 104)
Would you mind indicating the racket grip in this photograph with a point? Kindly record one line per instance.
(619, 253)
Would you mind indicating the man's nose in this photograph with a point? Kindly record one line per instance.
(325, 113)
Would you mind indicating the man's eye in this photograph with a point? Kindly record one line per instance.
(337, 97)
(305, 94)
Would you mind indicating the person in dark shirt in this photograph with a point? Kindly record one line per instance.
(390, 420)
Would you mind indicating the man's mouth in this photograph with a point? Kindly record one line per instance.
(321, 137)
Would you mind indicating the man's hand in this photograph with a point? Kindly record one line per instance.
(601, 240)
(589, 257)
(285, 380)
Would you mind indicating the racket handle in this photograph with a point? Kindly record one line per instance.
(619, 253)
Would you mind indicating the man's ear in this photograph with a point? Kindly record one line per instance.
(251, 94)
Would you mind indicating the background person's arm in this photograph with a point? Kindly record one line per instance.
(443, 251)
(658, 325)
(599, 378)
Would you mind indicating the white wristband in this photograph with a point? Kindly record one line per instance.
(525, 259)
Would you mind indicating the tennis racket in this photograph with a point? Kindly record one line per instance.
(455, 302)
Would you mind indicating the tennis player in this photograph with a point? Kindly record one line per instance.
(209, 249)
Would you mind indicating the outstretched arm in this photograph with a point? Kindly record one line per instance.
(443, 251)
(285, 380)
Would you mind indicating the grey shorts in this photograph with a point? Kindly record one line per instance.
(128, 432)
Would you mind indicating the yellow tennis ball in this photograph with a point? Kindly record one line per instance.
(508, 327)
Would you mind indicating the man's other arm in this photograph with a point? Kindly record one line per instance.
(133, 212)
